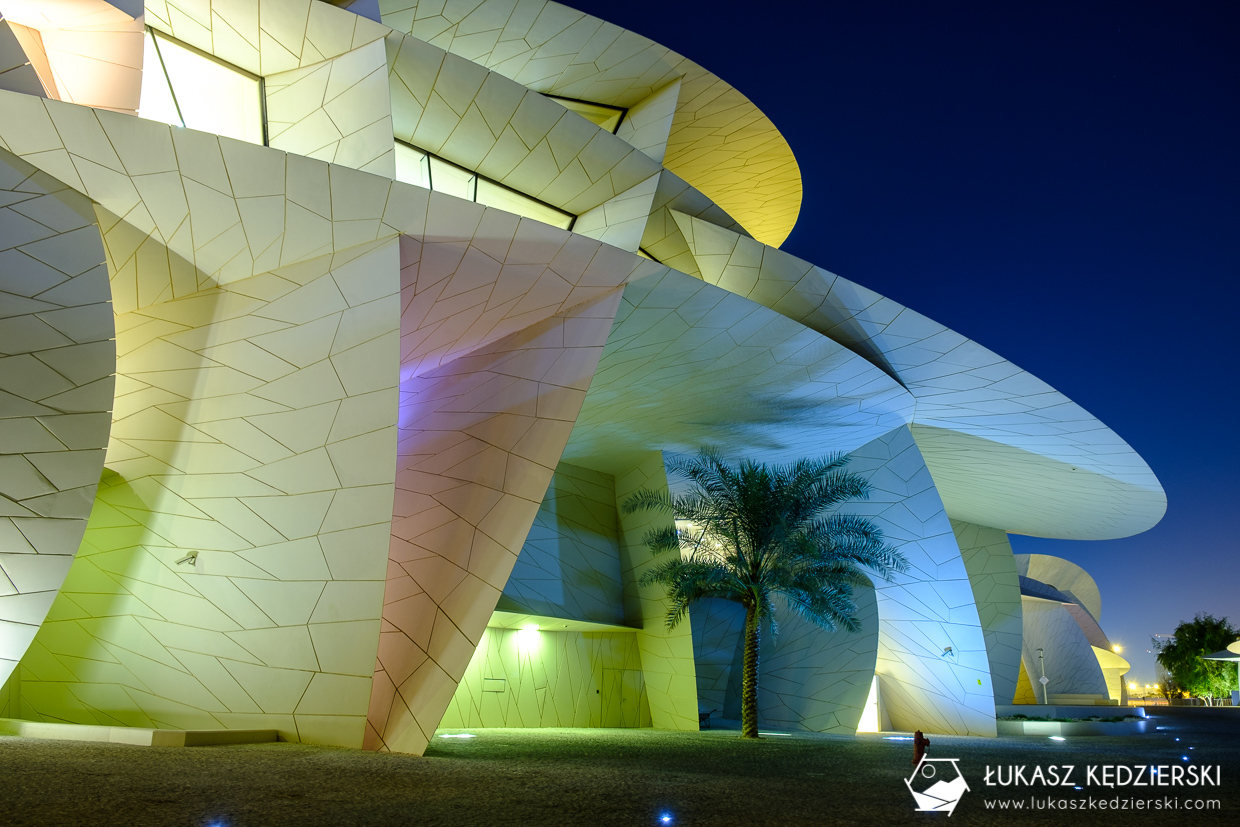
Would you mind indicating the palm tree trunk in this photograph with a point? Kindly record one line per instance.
(749, 679)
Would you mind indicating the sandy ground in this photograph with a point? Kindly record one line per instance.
(601, 777)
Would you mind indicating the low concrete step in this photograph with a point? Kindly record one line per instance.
(135, 736)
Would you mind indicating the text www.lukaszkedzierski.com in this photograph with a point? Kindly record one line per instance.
(1091, 803)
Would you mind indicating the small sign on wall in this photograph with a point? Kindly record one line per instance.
(494, 685)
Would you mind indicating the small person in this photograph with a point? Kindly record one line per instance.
(920, 742)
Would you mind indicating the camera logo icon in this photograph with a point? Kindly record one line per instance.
(937, 785)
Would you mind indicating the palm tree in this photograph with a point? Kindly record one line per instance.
(757, 534)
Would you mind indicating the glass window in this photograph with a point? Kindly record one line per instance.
(413, 166)
(157, 103)
(452, 180)
(608, 117)
(185, 87)
(421, 168)
(502, 198)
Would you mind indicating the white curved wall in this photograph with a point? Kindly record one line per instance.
(988, 559)
(57, 357)
(929, 608)
(254, 426)
(1067, 658)
(268, 305)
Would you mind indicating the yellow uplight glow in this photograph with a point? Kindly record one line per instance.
(869, 715)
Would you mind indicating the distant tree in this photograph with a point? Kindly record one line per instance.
(764, 534)
(1167, 685)
(1181, 656)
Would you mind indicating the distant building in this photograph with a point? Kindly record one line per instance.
(332, 333)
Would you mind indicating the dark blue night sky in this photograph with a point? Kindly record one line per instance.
(1058, 181)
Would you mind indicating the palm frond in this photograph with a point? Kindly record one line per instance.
(768, 530)
(764, 535)
(661, 540)
(644, 499)
(830, 608)
(689, 580)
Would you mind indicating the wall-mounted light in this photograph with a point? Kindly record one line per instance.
(527, 637)
(191, 558)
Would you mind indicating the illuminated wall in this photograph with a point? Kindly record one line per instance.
(810, 679)
(538, 678)
(570, 565)
(323, 70)
(282, 417)
(1067, 659)
(87, 52)
(988, 559)
(56, 391)
(666, 654)
(932, 659)
(258, 434)
(1063, 606)
(579, 569)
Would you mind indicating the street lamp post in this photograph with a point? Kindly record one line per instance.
(1043, 680)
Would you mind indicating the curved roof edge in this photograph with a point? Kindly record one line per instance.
(1063, 575)
(720, 142)
(1005, 448)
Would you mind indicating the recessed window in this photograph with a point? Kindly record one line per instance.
(608, 117)
(452, 180)
(495, 195)
(414, 166)
(185, 87)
